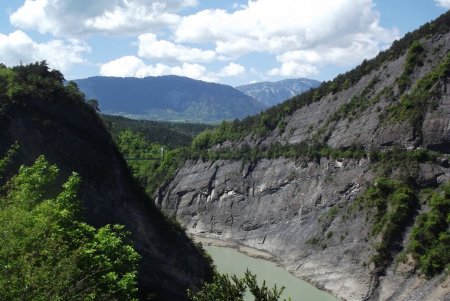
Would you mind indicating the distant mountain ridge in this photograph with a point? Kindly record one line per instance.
(170, 98)
(272, 93)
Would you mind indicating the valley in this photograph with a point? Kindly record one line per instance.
(155, 187)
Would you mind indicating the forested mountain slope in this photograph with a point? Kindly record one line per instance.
(347, 184)
(162, 132)
(47, 118)
(170, 98)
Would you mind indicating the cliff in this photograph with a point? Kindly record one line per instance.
(303, 180)
(45, 117)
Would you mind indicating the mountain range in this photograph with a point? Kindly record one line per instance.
(272, 93)
(170, 98)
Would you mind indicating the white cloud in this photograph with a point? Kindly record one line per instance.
(232, 69)
(293, 69)
(152, 48)
(134, 66)
(443, 3)
(19, 47)
(307, 62)
(303, 34)
(122, 67)
(80, 17)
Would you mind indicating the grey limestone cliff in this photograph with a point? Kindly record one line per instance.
(303, 210)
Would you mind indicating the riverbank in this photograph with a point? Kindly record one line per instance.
(231, 261)
(249, 251)
(255, 253)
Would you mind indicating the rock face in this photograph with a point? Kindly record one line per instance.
(279, 206)
(304, 211)
(74, 138)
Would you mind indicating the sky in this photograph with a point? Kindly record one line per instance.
(230, 42)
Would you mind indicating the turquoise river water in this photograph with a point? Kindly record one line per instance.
(230, 261)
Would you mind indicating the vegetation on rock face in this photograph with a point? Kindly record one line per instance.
(275, 150)
(227, 288)
(413, 106)
(412, 60)
(394, 203)
(48, 253)
(430, 237)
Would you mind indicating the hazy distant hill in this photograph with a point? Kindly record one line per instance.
(272, 93)
(171, 98)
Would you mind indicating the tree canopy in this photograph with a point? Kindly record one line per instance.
(48, 253)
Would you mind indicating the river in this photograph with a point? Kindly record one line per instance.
(230, 261)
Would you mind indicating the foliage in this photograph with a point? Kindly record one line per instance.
(430, 237)
(36, 82)
(226, 288)
(171, 134)
(413, 106)
(392, 203)
(149, 164)
(276, 150)
(222, 288)
(404, 163)
(10, 153)
(413, 58)
(47, 253)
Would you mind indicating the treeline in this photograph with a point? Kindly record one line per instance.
(37, 82)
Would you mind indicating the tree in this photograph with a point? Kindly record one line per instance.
(231, 288)
(94, 104)
(48, 253)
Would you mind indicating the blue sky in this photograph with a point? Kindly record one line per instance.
(230, 42)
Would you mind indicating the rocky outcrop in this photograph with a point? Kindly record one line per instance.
(281, 206)
(304, 211)
(72, 137)
(301, 212)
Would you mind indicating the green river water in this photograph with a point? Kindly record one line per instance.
(231, 261)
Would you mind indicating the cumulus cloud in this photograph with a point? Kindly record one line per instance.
(294, 69)
(443, 3)
(134, 66)
(80, 17)
(152, 48)
(303, 34)
(123, 67)
(232, 69)
(307, 62)
(19, 47)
